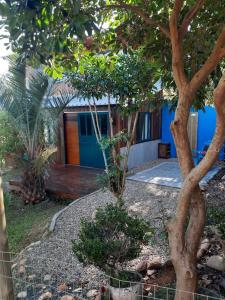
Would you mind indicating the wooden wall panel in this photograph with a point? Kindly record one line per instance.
(71, 139)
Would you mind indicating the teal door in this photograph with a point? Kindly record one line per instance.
(90, 152)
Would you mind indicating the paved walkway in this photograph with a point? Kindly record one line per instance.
(72, 182)
(169, 174)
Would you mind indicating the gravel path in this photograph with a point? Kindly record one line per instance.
(53, 255)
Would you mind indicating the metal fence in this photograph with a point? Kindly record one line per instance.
(30, 283)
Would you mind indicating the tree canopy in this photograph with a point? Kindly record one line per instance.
(59, 32)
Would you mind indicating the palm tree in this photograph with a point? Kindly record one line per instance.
(28, 98)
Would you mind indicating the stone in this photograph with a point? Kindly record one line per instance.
(150, 272)
(45, 296)
(204, 246)
(31, 277)
(216, 262)
(62, 287)
(14, 266)
(142, 266)
(47, 278)
(22, 262)
(222, 283)
(78, 290)
(92, 294)
(67, 297)
(22, 270)
(22, 295)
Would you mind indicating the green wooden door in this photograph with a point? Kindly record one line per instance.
(90, 152)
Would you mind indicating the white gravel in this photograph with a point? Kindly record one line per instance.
(54, 254)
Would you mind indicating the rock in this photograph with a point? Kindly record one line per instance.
(204, 246)
(92, 294)
(22, 270)
(142, 266)
(14, 266)
(31, 277)
(156, 263)
(47, 278)
(22, 262)
(67, 297)
(22, 295)
(45, 296)
(150, 272)
(78, 290)
(62, 287)
(222, 283)
(199, 266)
(216, 262)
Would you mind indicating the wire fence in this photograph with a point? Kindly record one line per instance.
(31, 283)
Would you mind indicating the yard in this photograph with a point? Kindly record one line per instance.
(53, 255)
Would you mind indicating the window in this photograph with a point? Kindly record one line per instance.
(143, 127)
(149, 126)
(156, 125)
(85, 125)
(104, 124)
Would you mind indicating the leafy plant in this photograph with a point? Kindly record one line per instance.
(113, 238)
(28, 99)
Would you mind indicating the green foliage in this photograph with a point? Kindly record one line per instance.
(113, 238)
(59, 32)
(128, 78)
(216, 217)
(27, 98)
(9, 139)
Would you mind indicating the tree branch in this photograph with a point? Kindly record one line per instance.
(138, 11)
(177, 47)
(215, 57)
(190, 16)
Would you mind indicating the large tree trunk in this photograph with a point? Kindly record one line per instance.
(6, 283)
(186, 229)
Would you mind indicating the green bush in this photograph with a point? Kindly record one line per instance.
(113, 238)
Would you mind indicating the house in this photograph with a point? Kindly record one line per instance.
(201, 128)
(77, 144)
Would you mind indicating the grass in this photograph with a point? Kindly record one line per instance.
(26, 224)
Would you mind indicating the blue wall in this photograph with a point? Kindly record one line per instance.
(167, 118)
(206, 128)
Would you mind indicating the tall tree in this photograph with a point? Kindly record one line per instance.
(29, 100)
(189, 38)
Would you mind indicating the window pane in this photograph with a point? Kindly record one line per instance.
(89, 124)
(82, 124)
(104, 125)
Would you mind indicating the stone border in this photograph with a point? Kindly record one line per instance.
(52, 225)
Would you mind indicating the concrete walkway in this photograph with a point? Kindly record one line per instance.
(168, 174)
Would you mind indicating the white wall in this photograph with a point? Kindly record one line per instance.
(142, 153)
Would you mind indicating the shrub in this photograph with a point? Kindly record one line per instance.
(113, 238)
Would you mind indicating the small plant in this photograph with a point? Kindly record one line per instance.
(112, 239)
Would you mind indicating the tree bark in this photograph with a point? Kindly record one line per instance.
(184, 240)
(6, 283)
